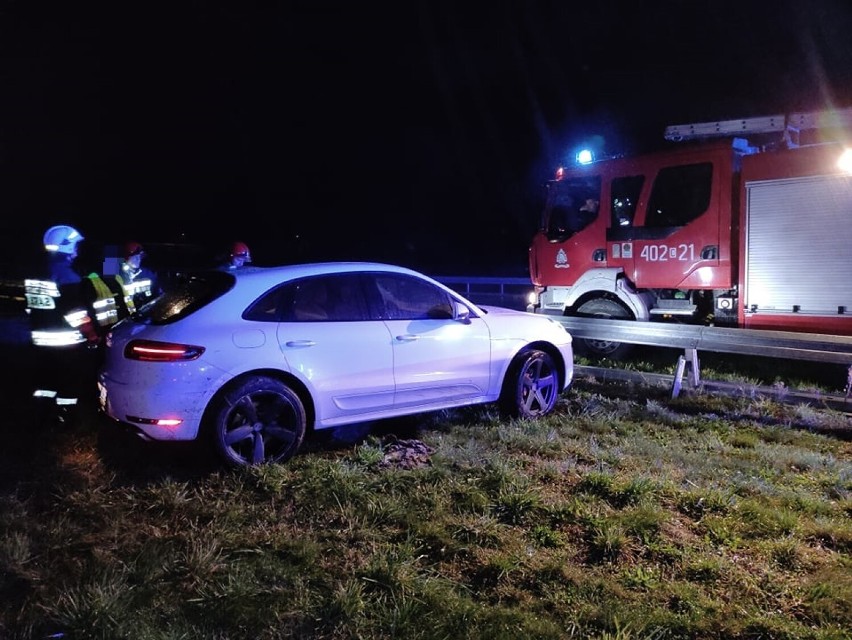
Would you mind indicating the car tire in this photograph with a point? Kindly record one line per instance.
(531, 387)
(261, 420)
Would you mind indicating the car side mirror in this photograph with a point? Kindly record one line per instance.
(462, 313)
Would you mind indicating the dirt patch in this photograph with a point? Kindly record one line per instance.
(406, 454)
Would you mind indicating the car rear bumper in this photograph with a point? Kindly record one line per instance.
(146, 413)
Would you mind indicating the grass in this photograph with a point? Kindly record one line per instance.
(624, 515)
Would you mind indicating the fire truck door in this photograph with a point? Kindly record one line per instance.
(675, 241)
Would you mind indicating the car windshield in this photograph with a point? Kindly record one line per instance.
(189, 292)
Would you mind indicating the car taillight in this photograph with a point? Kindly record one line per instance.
(153, 351)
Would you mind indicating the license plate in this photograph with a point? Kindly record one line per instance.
(35, 301)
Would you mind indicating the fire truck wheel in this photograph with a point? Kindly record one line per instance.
(604, 308)
(531, 387)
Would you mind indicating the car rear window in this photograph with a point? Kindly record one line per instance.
(188, 293)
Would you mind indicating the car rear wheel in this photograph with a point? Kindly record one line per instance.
(259, 421)
(531, 387)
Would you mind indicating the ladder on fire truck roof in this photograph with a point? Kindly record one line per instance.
(790, 126)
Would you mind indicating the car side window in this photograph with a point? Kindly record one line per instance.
(265, 308)
(345, 300)
(407, 298)
(310, 300)
(335, 298)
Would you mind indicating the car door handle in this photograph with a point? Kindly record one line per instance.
(407, 337)
(300, 343)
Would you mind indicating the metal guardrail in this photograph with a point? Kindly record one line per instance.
(777, 344)
(691, 338)
(505, 292)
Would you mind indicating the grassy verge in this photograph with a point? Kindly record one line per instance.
(624, 515)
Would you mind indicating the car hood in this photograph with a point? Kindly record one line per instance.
(504, 326)
(503, 311)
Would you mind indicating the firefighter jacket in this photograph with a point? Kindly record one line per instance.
(138, 286)
(103, 302)
(60, 315)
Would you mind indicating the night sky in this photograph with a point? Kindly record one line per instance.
(420, 133)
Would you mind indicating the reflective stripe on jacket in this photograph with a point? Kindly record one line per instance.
(104, 304)
(54, 324)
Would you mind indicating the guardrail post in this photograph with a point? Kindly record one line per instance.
(690, 357)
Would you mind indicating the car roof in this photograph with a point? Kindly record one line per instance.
(260, 275)
(251, 281)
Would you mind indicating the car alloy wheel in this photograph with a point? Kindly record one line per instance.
(261, 420)
(532, 385)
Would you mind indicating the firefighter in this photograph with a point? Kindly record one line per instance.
(238, 256)
(588, 212)
(63, 327)
(590, 206)
(138, 284)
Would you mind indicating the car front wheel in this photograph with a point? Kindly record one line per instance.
(259, 421)
(531, 387)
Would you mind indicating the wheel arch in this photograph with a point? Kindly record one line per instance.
(282, 376)
(574, 310)
(610, 284)
(541, 345)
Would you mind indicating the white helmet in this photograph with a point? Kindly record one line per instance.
(61, 239)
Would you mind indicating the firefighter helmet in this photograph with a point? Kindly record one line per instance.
(61, 239)
(133, 249)
(241, 250)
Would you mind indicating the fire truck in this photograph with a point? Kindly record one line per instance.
(738, 223)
